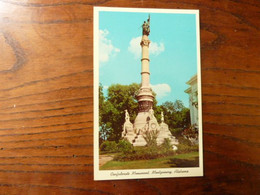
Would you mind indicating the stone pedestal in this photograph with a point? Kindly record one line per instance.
(165, 133)
(146, 122)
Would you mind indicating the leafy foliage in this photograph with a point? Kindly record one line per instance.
(177, 132)
(147, 152)
(166, 145)
(150, 138)
(125, 146)
(186, 146)
(176, 115)
(182, 148)
(191, 132)
(108, 146)
(183, 160)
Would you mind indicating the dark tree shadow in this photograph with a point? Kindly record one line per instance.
(175, 162)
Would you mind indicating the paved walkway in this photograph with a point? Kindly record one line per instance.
(103, 159)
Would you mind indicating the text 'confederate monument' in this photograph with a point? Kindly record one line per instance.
(145, 121)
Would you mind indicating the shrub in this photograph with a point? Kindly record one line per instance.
(142, 153)
(185, 141)
(166, 146)
(191, 132)
(125, 146)
(186, 146)
(108, 146)
(183, 148)
(177, 132)
(147, 153)
(150, 138)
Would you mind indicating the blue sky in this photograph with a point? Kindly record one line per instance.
(173, 51)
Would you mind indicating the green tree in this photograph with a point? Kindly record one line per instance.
(176, 115)
(104, 128)
(119, 99)
(178, 106)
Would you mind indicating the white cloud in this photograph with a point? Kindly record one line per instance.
(135, 48)
(106, 48)
(161, 90)
(156, 48)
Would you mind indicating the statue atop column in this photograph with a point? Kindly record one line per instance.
(146, 27)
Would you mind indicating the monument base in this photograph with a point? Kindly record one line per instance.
(139, 141)
(146, 122)
(165, 133)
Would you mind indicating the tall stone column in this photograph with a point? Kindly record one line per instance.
(145, 42)
(145, 96)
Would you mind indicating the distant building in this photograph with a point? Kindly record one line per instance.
(193, 99)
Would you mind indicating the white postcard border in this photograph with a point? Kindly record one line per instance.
(143, 173)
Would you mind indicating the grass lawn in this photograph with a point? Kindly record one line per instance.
(179, 160)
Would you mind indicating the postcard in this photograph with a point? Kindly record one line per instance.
(147, 94)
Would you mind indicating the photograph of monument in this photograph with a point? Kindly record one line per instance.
(147, 106)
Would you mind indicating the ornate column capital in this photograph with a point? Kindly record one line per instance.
(145, 42)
